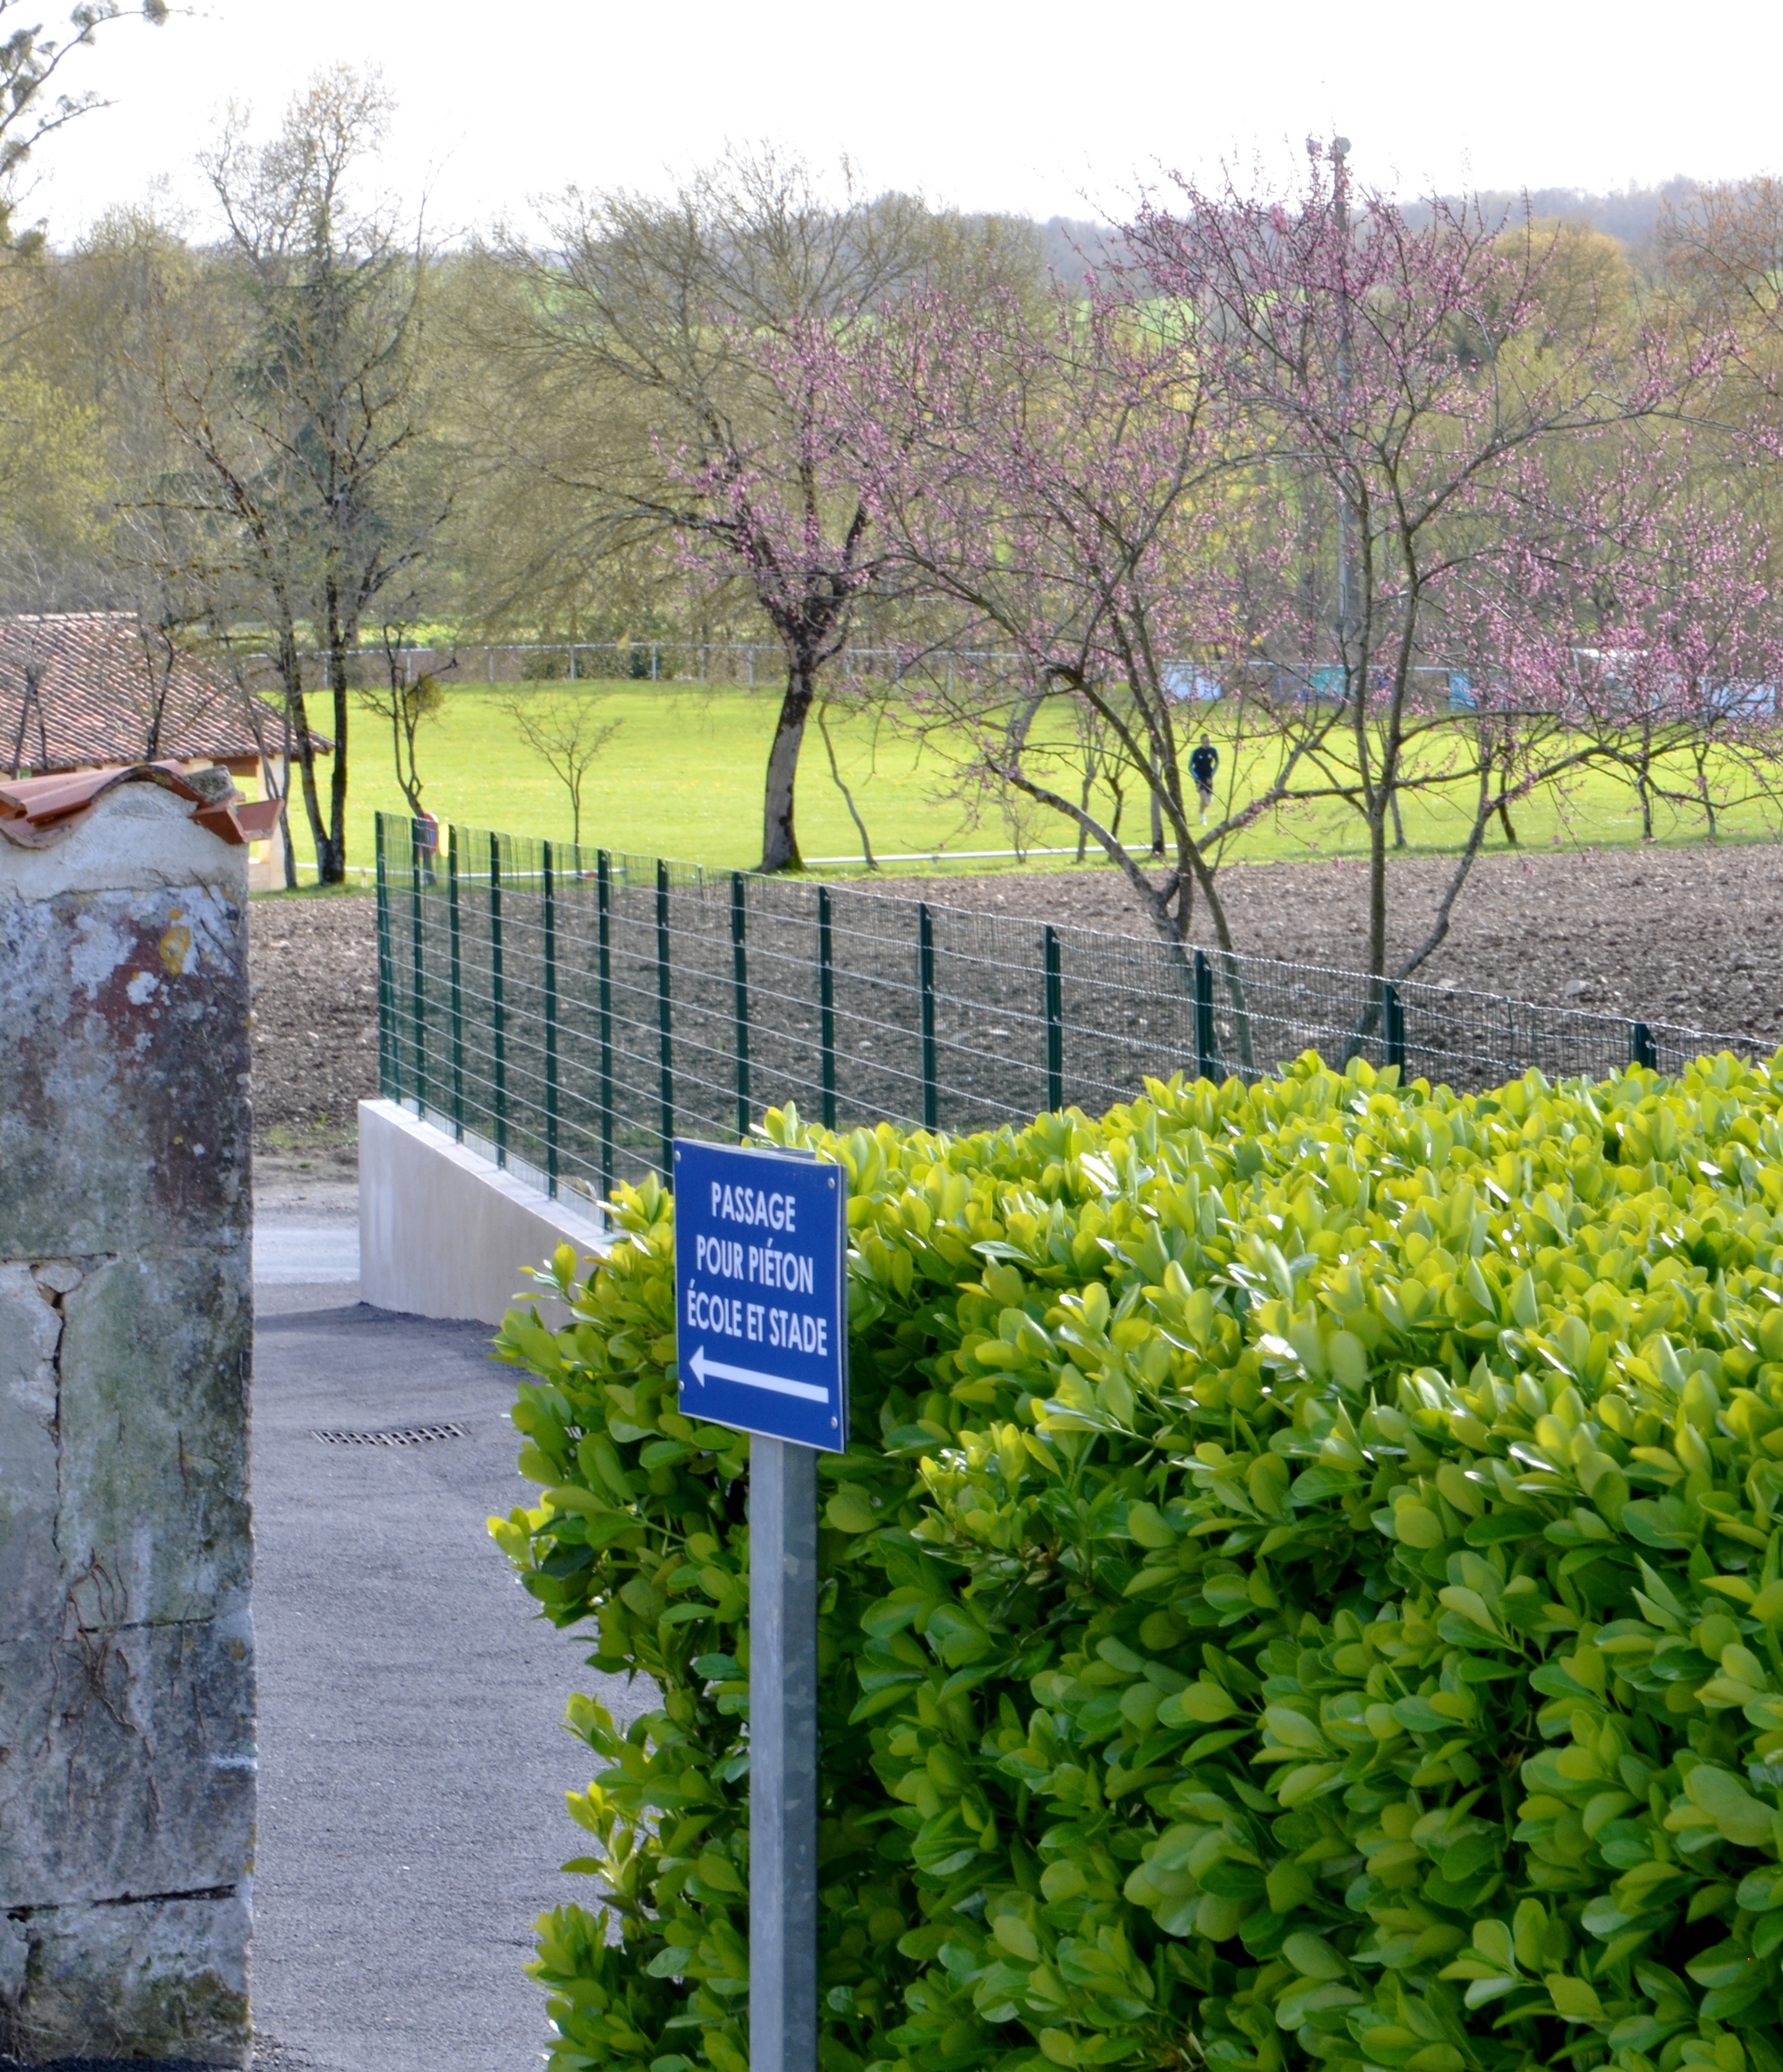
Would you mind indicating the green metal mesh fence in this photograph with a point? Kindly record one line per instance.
(573, 1010)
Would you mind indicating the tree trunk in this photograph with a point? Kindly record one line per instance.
(286, 844)
(331, 870)
(848, 796)
(157, 713)
(780, 841)
(402, 732)
(1377, 889)
(1504, 807)
(273, 785)
(291, 672)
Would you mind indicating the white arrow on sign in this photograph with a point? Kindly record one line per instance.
(721, 1372)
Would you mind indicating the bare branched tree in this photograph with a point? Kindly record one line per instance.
(404, 704)
(305, 422)
(567, 730)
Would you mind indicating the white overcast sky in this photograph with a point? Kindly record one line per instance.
(1028, 104)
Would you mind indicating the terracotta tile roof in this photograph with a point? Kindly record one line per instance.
(36, 812)
(84, 689)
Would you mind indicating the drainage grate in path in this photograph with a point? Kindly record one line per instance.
(408, 1435)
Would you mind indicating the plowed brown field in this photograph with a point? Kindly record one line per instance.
(1688, 935)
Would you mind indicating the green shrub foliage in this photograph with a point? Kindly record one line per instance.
(1306, 1587)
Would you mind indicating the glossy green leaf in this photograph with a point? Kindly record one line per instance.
(1301, 1595)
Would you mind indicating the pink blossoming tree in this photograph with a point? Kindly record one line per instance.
(1335, 459)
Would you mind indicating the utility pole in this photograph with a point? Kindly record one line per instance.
(1346, 546)
(1349, 629)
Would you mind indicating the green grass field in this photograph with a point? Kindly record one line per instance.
(683, 779)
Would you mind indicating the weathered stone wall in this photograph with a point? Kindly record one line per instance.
(127, 1694)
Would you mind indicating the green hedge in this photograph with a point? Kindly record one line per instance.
(1306, 1588)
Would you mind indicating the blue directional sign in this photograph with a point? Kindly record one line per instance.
(761, 1292)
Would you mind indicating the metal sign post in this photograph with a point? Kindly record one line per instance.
(782, 1757)
(762, 1339)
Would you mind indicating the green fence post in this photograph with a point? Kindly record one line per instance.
(457, 989)
(551, 1096)
(826, 1005)
(1641, 1051)
(390, 1066)
(925, 978)
(603, 900)
(739, 977)
(418, 1003)
(497, 1000)
(1055, 1024)
(665, 1043)
(1393, 1012)
(1206, 1064)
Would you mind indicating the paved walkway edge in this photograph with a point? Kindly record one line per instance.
(445, 1231)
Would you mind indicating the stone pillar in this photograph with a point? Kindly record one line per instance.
(127, 1683)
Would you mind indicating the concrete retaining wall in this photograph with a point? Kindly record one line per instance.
(445, 1231)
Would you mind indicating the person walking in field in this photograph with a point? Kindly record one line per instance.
(1202, 765)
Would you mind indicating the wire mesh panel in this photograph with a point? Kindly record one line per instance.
(571, 1010)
